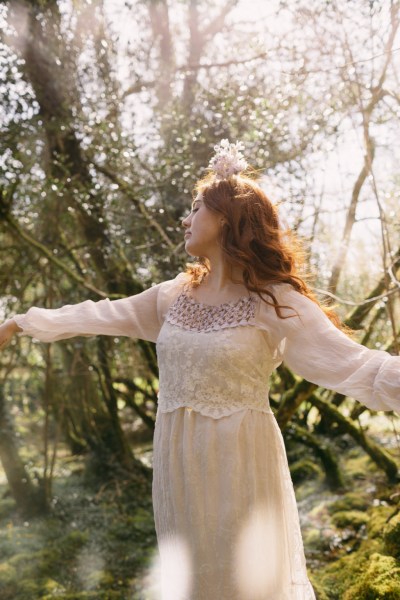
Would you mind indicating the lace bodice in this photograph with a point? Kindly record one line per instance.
(212, 359)
(196, 316)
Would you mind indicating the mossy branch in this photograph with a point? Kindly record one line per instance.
(333, 474)
(131, 402)
(380, 457)
(292, 399)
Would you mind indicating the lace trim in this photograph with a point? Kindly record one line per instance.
(214, 412)
(190, 314)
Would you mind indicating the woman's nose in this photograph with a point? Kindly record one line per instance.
(185, 221)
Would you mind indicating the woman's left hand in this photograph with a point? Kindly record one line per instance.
(7, 330)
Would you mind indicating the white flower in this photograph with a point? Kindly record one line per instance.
(228, 159)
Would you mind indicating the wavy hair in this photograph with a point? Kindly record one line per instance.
(253, 240)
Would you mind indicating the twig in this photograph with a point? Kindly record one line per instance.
(350, 303)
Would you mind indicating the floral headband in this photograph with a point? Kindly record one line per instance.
(228, 159)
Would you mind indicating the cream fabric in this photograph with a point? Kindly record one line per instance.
(224, 506)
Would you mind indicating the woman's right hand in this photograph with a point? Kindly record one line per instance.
(7, 330)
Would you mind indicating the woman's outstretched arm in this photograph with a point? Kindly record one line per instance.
(135, 316)
(315, 349)
(140, 316)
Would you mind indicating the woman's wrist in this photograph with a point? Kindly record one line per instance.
(12, 324)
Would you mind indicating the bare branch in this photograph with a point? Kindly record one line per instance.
(137, 87)
(228, 63)
(372, 299)
(217, 23)
(139, 205)
(13, 225)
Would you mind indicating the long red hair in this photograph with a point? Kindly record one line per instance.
(253, 240)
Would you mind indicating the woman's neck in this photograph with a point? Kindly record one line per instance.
(218, 281)
(222, 283)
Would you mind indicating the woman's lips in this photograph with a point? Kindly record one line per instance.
(187, 234)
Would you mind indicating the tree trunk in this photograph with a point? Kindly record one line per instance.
(114, 436)
(350, 220)
(30, 500)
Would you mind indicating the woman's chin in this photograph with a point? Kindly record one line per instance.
(190, 249)
(190, 252)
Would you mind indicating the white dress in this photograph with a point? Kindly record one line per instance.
(224, 506)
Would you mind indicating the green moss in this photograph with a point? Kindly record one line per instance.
(338, 576)
(34, 574)
(318, 589)
(315, 540)
(391, 537)
(44, 563)
(50, 586)
(143, 520)
(99, 579)
(380, 581)
(304, 469)
(354, 519)
(350, 501)
(358, 466)
(28, 588)
(7, 573)
(378, 520)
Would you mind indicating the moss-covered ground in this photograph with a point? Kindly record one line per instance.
(98, 542)
(352, 538)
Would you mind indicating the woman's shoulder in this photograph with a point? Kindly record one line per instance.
(281, 292)
(292, 304)
(280, 287)
(169, 290)
(284, 291)
(178, 282)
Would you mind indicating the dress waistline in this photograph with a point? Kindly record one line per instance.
(215, 411)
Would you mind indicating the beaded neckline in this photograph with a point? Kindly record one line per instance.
(223, 304)
(188, 313)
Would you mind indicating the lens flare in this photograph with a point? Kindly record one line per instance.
(256, 555)
(169, 576)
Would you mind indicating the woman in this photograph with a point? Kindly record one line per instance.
(224, 506)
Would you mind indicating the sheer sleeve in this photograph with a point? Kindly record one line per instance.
(315, 349)
(140, 316)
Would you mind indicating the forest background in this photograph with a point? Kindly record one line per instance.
(109, 114)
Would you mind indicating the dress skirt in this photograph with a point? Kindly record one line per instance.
(225, 511)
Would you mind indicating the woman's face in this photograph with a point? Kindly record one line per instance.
(203, 230)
